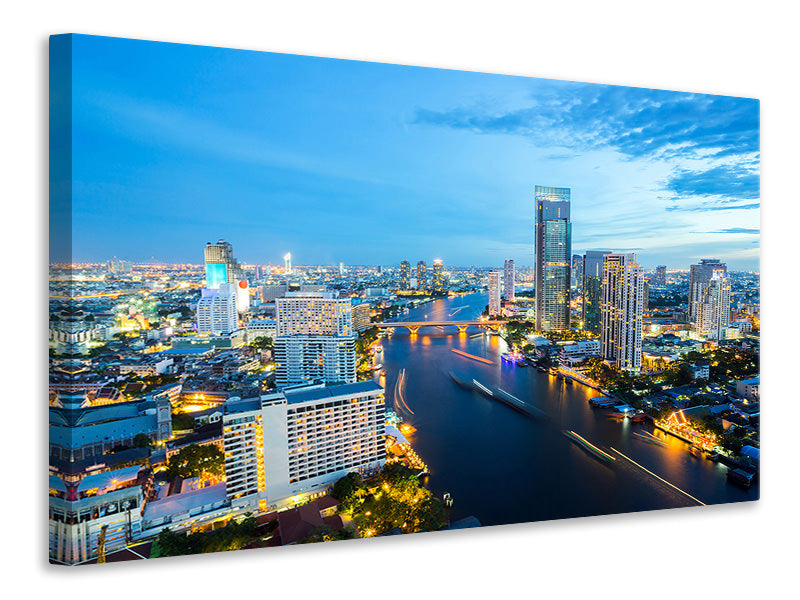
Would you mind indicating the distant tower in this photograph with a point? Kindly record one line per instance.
(699, 276)
(221, 266)
(660, 278)
(622, 309)
(422, 275)
(577, 272)
(438, 283)
(287, 263)
(509, 276)
(405, 275)
(714, 309)
(553, 252)
(341, 269)
(495, 289)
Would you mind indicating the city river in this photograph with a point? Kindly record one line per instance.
(504, 467)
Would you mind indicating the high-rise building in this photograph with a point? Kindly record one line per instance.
(592, 288)
(361, 317)
(660, 278)
(221, 266)
(622, 308)
(315, 339)
(313, 313)
(553, 251)
(577, 272)
(119, 266)
(699, 276)
(438, 283)
(509, 278)
(287, 263)
(304, 359)
(283, 447)
(405, 275)
(495, 290)
(422, 275)
(216, 310)
(341, 269)
(714, 309)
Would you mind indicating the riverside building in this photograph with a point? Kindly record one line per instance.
(622, 309)
(495, 289)
(509, 276)
(553, 236)
(592, 288)
(284, 447)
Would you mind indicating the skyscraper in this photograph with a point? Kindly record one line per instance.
(577, 272)
(553, 235)
(714, 309)
(287, 263)
(495, 289)
(509, 277)
(592, 288)
(699, 276)
(438, 283)
(221, 266)
(405, 275)
(621, 312)
(422, 275)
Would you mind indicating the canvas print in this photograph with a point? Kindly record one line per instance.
(298, 299)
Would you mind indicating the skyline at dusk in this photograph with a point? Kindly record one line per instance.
(369, 163)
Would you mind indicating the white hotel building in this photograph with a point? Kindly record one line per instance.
(216, 310)
(495, 291)
(284, 447)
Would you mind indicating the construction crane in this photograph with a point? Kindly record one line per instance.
(101, 545)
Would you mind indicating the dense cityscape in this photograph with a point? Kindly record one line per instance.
(224, 405)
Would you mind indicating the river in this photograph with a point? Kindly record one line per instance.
(503, 467)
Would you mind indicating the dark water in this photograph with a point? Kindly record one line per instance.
(504, 467)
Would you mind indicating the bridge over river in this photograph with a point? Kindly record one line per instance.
(414, 326)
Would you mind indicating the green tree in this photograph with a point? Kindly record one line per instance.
(142, 440)
(195, 460)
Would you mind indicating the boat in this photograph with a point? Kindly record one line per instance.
(602, 402)
(568, 380)
(741, 477)
(377, 367)
(639, 418)
(541, 369)
(695, 452)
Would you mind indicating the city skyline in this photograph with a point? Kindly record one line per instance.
(192, 154)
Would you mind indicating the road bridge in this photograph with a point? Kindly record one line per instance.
(414, 326)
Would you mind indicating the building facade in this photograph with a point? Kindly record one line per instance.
(553, 239)
(495, 291)
(592, 289)
(699, 276)
(221, 266)
(216, 310)
(286, 446)
(303, 359)
(405, 275)
(313, 313)
(713, 310)
(438, 283)
(622, 311)
(509, 280)
(422, 275)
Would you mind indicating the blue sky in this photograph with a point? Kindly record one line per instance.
(366, 163)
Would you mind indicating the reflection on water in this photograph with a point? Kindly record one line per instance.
(504, 467)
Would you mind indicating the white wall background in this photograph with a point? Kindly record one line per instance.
(734, 48)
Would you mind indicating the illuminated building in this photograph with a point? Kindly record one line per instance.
(577, 272)
(592, 288)
(422, 275)
(314, 313)
(621, 312)
(495, 289)
(713, 309)
(221, 266)
(509, 276)
(315, 339)
(361, 317)
(699, 276)
(216, 310)
(405, 275)
(119, 266)
(287, 263)
(553, 251)
(437, 280)
(285, 446)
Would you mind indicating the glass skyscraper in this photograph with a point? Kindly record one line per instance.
(553, 240)
(592, 288)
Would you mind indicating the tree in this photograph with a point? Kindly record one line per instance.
(326, 534)
(195, 460)
(142, 440)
